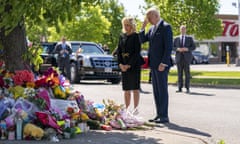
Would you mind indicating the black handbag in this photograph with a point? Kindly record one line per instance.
(142, 62)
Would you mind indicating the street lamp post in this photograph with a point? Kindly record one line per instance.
(238, 49)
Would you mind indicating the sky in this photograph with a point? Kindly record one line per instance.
(132, 7)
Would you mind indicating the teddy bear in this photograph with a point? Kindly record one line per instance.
(31, 130)
(51, 134)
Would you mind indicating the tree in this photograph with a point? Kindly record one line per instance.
(100, 23)
(114, 13)
(89, 24)
(14, 14)
(198, 16)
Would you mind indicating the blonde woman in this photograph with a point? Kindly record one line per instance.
(128, 53)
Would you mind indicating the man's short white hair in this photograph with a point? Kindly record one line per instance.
(153, 11)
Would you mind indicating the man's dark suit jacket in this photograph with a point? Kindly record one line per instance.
(189, 43)
(160, 48)
(160, 45)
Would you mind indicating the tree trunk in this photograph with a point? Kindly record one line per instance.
(14, 47)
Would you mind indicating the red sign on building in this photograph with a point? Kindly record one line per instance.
(230, 28)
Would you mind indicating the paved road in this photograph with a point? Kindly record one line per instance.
(207, 112)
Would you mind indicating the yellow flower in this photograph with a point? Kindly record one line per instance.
(58, 92)
(30, 84)
(84, 116)
(67, 89)
(17, 91)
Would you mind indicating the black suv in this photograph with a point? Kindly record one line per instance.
(91, 63)
(49, 59)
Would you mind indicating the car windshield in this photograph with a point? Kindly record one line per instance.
(45, 49)
(87, 49)
(48, 48)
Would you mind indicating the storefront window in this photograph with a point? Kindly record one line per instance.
(203, 48)
(214, 49)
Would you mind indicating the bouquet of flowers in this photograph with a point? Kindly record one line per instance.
(50, 78)
(21, 77)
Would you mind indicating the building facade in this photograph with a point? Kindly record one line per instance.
(227, 42)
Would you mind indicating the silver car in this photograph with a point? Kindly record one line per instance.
(199, 58)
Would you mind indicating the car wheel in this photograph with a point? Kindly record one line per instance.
(74, 76)
(194, 61)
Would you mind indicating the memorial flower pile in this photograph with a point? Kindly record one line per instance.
(30, 105)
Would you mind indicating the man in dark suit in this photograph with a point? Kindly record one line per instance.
(183, 45)
(64, 50)
(160, 47)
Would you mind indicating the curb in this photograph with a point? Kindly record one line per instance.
(206, 85)
(213, 86)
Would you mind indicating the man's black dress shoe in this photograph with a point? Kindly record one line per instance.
(188, 91)
(154, 119)
(162, 120)
(179, 90)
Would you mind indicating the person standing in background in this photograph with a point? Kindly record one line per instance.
(183, 45)
(63, 50)
(160, 47)
(128, 54)
(106, 49)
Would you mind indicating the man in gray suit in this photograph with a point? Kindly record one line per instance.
(160, 41)
(183, 45)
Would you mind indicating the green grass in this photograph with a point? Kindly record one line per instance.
(203, 77)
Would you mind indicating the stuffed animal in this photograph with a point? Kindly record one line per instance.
(31, 130)
(51, 134)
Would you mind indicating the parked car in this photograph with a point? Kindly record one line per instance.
(173, 56)
(144, 54)
(91, 63)
(49, 59)
(199, 58)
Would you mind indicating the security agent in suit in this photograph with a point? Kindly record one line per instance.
(183, 45)
(63, 50)
(160, 41)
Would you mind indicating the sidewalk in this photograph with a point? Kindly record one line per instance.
(158, 135)
(155, 136)
(213, 67)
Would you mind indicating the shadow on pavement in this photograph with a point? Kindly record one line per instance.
(98, 137)
(144, 92)
(176, 127)
(121, 137)
(201, 94)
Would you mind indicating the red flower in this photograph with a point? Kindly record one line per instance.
(22, 76)
(41, 82)
(1, 82)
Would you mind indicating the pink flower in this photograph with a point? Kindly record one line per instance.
(22, 77)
